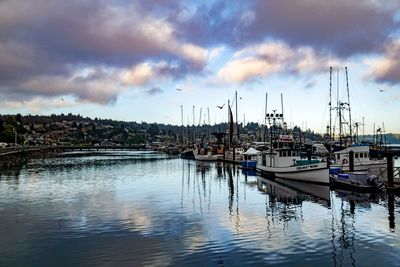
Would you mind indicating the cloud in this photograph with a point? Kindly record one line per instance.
(139, 75)
(37, 104)
(215, 53)
(136, 44)
(46, 43)
(86, 85)
(154, 91)
(342, 27)
(194, 53)
(386, 69)
(265, 59)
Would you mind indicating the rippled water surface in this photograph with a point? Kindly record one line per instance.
(137, 208)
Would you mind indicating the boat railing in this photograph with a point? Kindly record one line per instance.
(396, 173)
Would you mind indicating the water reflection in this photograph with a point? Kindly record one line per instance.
(150, 209)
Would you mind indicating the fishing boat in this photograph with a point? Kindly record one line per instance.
(187, 154)
(249, 159)
(355, 181)
(204, 152)
(362, 160)
(285, 159)
(234, 155)
(288, 163)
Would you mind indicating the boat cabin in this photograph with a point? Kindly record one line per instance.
(361, 154)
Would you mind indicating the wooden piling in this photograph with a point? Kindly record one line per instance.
(351, 161)
(389, 160)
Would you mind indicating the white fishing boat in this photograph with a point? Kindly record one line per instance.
(288, 164)
(362, 160)
(284, 158)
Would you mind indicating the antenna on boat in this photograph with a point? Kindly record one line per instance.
(348, 103)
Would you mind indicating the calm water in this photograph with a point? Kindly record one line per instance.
(136, 209)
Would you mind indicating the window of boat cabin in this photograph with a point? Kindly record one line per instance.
(264, 160)
(356, 155)
(338, 156)
(361, 155)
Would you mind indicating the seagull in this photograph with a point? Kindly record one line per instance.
(62, 99)
(178, 89)
(221, 107)
(240, 98)
(381, 90)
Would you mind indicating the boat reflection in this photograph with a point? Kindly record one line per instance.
(297, 191)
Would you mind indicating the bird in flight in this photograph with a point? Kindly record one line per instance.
(62, 99)
(178, 89)
(381, 90)
(221, 107)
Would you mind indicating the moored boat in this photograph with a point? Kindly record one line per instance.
(356, 181)
(204, 152)
(292, 167)
(362, 160)
(285, 160)
(249, 159)
(187, 154)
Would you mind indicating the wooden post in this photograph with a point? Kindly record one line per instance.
(389, 160)
(391, 211)
(351, 161)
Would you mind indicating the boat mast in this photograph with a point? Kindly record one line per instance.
(237, 124)
(339, 107)
(282, 108)
(265, 116)
(201, 110)
(183, 129)
(209, 124)
(330, 104)
(363, 129)
(194, 128)
(229, 118)
(348, 103)
(208, 111)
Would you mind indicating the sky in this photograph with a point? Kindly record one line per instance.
(124, 60)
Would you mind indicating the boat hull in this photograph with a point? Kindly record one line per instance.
(348, 185)
(248, 164)
(312, 173)
(207, 157)
(187, 154)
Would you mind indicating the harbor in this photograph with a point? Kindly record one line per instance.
(199, 133)
(146, 208)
